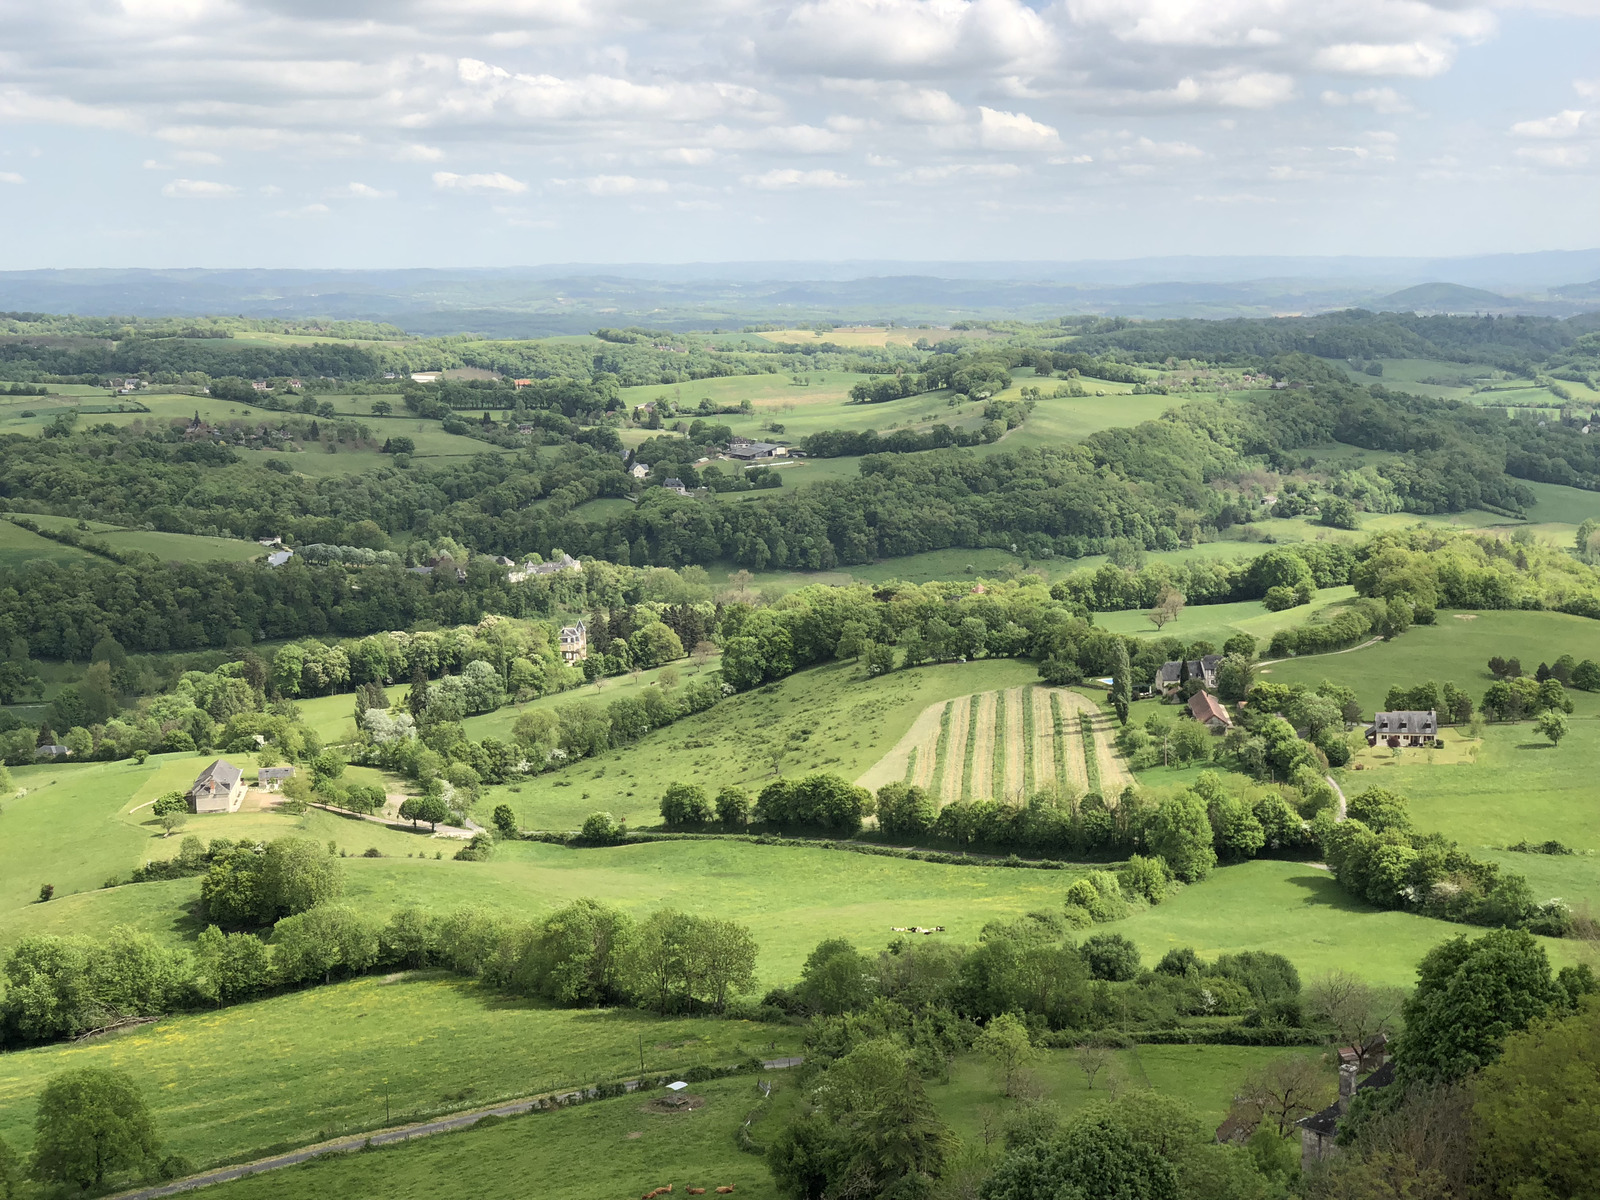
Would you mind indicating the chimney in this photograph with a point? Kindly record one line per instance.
(1347, 1082)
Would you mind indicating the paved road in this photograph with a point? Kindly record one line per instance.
(384, 1137)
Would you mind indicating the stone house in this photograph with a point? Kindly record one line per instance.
(1170, 677)
(1205, 708)
(1397, 729)
(270, 779)
(1318, 1132)
(574, 641)
(219, 788)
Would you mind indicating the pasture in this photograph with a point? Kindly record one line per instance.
(1456, 648)
(620, 1147)
(828, 719)
(307, 1066)
(18, 546)
(1005, 745)
(174, 547)
(1218, 622)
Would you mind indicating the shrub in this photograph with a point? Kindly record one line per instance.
(602, 829)
(686, 804)
(1111, 957)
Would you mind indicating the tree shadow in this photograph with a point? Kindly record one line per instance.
(1322, 889)
(1536, 746)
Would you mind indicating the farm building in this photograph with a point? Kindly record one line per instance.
(533, 570)
(1204, 707)
(220, 788)
(51, 750)
(270, 779)
(1171, 675)
(1318, 1131)
(638, 470)
(574, 642)
(1396, 729)
(278, 557)
(744, 448)
(674, 484)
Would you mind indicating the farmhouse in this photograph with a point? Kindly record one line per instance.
(1203, 707)
(674, 484)
(574, 643)
(220, 788)
(1318, 1131)
(1170, 677)
(1396, 729)
(638, 470)
(270, 779)
(532, 570)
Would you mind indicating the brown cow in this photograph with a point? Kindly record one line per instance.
(725, 1191)
(695, 1191)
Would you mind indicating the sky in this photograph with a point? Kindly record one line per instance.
(455, 133)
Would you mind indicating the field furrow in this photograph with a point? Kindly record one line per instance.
(1071, 741)
(912, 757)
(1043, 748)
(981, 786)
(953, 761)
(1018, 701)
(1114, 774)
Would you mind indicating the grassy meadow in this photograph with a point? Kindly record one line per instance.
(306, 1066)
(1218, 622)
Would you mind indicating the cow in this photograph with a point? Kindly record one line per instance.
(725, 1191)
(695, 1191)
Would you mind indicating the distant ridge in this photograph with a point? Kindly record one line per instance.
(1444, 298)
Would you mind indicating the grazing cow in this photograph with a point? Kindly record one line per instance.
(725, 1191)
(695, 1191)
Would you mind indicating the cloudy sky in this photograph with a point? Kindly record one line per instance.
(500, 132)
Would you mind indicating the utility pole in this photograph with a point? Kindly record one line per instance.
(388, 1118)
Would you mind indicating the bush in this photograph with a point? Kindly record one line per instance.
(1149, 878)
(686, 804)
(734, 807)
(1111, 957)
(602, 829)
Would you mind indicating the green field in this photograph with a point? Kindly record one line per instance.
(1218, 622)
(307, 1066)
(175, 547)
(1457, 648)
(18, 546)
(619, 1147)
(827, 719)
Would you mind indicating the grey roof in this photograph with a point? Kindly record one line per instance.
(1199, 668)
(279, 557)
(266, 774)
(751, 449)
(221, 775)
(52, 750)
(1409, 721)
(1327, 1121)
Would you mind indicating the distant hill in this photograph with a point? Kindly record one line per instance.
(1444, 298)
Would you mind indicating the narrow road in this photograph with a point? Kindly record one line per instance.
(385, 1137)
(1339, 792)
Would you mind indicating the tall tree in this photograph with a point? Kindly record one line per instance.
(91, 1123)
(1121, 682)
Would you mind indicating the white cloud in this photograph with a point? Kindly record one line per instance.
(889, 39)
(968, 170)
(1419, 60)
(1381, 99)
(203, 158)
(417, 152)
(793, 139)
(360, 191)
(790, 178)
(1555, 156)
(198, 189)
(1147, 149)
(496, 182)
(613, 185)
(999, 130)
(687, 156)
(11, 177)
(1566, 124)
(306, 210)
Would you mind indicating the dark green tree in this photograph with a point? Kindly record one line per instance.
(91, 1123)
(1121, 682)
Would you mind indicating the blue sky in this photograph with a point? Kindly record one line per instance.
(374, 133)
